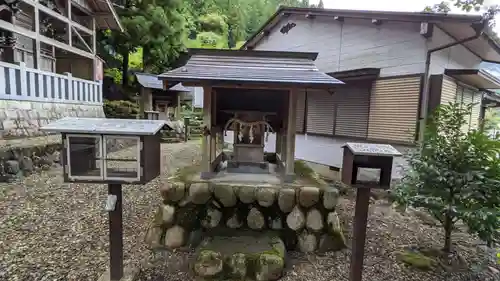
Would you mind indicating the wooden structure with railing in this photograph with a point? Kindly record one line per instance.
(48, 49)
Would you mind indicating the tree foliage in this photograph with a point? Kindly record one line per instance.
(467, 6)
(455, 176)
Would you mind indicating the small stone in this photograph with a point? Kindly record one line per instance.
(296, 219)
(12, 167)
(208, 264)
(234, 222)
(286, 199)
(330, 198)
(174, 237)
(269, 267)
(335, 229)
(26, 164)
(167, 214)
(173, 192)
(266, 196)
(246, 194)
(226, 195)
(188, 215)
(276, 223)
(46, 160)
(194, 238)
(307, 242)
(212, 218)
(329, 243)
(237, 266)
(255, 219)
(314, 220)
(153, 236)
(199, 193)
(308, 196)
(56, 157)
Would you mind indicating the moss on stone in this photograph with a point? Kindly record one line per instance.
(307, 174)
(416, 260)
(186, 173)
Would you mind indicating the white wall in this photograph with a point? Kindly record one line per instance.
(395, 47)
(456, 57)
(197, 96)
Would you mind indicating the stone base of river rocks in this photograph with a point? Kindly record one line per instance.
(244, 255)
(303, 217)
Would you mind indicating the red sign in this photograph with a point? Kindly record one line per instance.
(98, 73)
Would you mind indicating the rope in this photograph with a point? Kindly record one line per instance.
(242, 124)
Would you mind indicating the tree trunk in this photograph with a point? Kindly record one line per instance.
(125, 69)
(448, 228)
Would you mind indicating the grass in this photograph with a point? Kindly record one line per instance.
(307, 174)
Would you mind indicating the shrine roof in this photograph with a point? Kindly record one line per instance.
(240, 67)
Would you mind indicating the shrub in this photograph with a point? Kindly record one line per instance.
(455, 175)
(121, 109)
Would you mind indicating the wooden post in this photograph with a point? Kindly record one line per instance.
(177, 112)
(214, 131)
(207, 125)
(116, 234)
(290, 136)
(38, 58)
(146, 101)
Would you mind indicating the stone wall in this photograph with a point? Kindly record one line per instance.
(304, 217)
(22, 119)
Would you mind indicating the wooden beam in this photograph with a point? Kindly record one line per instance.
(81, 39)
(94, 47)
(243, 86)
(56, 15)
(69, 3)
(206, 140)
(33, 35)
(38, 57)
(290, 136)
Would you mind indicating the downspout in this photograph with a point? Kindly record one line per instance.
(425, 94)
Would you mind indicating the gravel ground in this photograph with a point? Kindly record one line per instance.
(388, 233)
(50, 230)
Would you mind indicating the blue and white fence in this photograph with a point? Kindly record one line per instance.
(17, 82)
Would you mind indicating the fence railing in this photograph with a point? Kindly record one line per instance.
(18, 82)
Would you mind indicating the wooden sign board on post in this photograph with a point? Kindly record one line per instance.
(355, 157)
(88, 157)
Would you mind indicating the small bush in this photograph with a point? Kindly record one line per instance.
(120, 109)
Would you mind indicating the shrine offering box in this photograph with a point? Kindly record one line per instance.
(104, 150)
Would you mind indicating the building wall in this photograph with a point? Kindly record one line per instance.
(456, 57)
(395, 47)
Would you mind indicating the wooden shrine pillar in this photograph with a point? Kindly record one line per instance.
(177, 112)
(214, 131)
(206, 140)
(290, 136)
(146, 103)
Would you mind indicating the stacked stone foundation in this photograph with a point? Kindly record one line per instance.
(304, 218)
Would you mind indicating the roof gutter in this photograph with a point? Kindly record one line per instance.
(425, 95)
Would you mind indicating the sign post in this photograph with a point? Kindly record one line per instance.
(356, 156)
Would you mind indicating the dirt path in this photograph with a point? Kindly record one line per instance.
(50, 230)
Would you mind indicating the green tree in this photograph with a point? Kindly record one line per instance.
(455, 176)
(156, 26)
